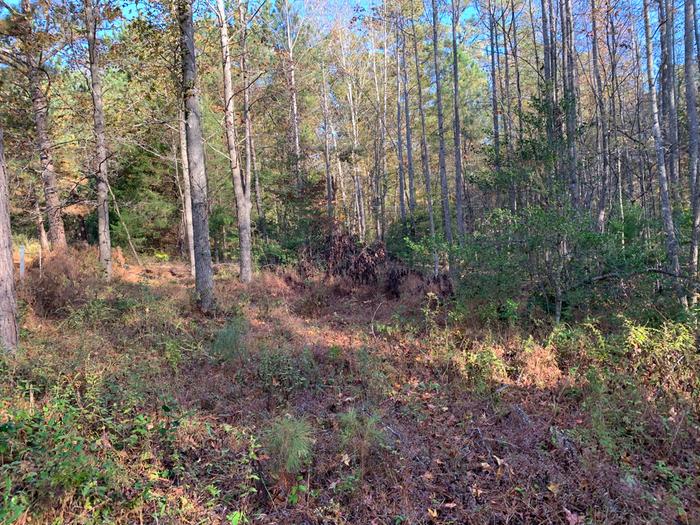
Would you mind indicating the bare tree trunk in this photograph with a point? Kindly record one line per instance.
(327, 145)
(516, 65)
(424, 157)
(409, 142)
(494, 91)
(296, 135)
(241, 181)
(666, 210)
(570, 101)
(248, 119)
(457, 125)
(39, 222)
(103, 234)
(444, 190)
(204, 277)
(40, 105)
(186, 187)
(604, 155)
(359, 195)
(691, 98)
(668, 83)
(399, 134)
(9, 331)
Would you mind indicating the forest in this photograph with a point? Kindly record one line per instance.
(379, 262)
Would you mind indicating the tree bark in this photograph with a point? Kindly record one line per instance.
(409, 141)
(691, 98)
(186, 187)
(327, 145)
(424, 157)
(494, 91)
(9, 330)
(241, 180)
(604, 154)
(101, 172)
(444, 190)
(204, 276)
(40, 106)
(399, 134)
(666, 210)
(296, 135)
(457, 125)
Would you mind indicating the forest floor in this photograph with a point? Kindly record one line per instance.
(127, 406)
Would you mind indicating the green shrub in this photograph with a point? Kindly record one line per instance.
(289, 444)
(370, 370)
(229, 345)
(281, 372)
(361, 435)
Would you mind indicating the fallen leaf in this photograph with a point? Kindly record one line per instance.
(553, 488)
(433, 513)
(572, 518)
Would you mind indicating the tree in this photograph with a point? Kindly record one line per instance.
(9, 331)
(34, 41)
(444, 190)
(666, 210)
(204, 276)
(241, 179)
(691, 98)
(92, 20)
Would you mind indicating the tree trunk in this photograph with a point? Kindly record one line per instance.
(570, 101)
(668, 90)
(296, 135)
(494, 91)
(186, 186)
(457, 125)
(9, 331)
(666, 210)
(409, 141)
(691, 98)
(602, 121)
(204, 276)
(399, 132)
(327, 145)
(40, 106)
(39, 222)
(444, 190)
(101, 173)
(424, 157)
(241, 181)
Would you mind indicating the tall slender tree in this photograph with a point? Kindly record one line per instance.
(9, 331)
(241, 179)
(204, 274)
(92, 21)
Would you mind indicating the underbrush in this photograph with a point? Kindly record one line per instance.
(124, 406)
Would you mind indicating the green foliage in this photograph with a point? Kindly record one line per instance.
(229, 345)
(371, 371)
(289, 444)
(45, 453)
(361, 435)
(282, 372)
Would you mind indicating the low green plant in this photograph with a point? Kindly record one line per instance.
(361, 435)
(289, 444)
(229, 345)
(281, 372)
(371, 371)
